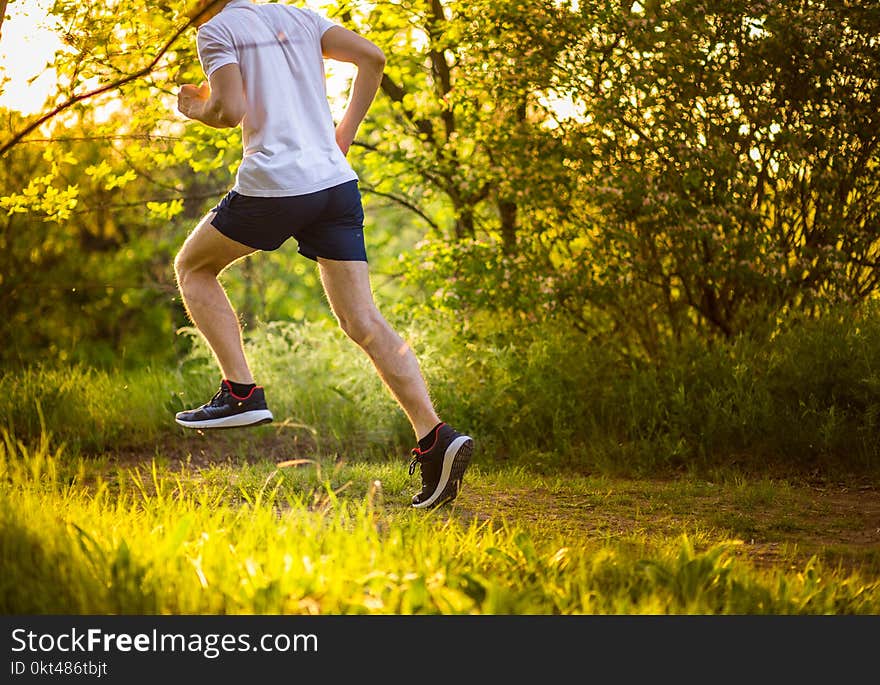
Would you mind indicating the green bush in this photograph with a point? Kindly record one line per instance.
(806, 399)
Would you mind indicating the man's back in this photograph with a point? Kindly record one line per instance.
(289, 146)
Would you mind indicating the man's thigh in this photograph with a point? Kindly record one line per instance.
(347, 285)
(207, 248)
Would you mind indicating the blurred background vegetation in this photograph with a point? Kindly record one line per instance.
(618, 234)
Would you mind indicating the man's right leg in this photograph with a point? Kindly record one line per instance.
(443, 453)
(204, 255)
(347, 286)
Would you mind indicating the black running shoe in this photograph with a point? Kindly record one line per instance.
(443, 465)
(226, 410)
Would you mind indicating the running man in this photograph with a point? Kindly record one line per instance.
(265, 70)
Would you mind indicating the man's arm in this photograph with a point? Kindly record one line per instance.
(221, 105)
(343, 45)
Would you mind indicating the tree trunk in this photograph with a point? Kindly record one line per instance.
(3, 4)
(464, 223)
(508, 211)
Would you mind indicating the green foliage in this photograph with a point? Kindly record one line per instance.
(93, 284)
(97, 199)
(734, 189)
(806, 400)
(649, 173)
(89, 409)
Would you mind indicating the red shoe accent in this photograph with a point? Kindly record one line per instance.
(436, 435)
(238, 397)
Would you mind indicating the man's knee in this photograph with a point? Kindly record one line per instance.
(183, 267)
(363, 327)
(186, 265)
(180, 265)
(207, 252)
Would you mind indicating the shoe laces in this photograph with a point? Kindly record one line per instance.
(219, 399)
(412, 465)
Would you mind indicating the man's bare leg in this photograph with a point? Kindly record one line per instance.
(347, 285)
(204, 255)
(443, 454)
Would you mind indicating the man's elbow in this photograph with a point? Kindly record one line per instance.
(228, 114)
(374, 58)
(231, 119)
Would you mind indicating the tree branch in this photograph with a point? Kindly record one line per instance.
(403, 203)
(34, 125)
(396, 93)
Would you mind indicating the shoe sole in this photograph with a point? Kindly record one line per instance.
(243, 420)
(455, 462)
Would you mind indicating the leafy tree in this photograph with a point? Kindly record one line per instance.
(713, 166)
(738, 145)
(85, 270)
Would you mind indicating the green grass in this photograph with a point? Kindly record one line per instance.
(328, 536)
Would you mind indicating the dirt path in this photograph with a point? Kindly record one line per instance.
(838, 523)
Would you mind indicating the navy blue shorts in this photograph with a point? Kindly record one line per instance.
(328, 223)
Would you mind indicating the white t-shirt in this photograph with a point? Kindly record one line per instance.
(288, 135)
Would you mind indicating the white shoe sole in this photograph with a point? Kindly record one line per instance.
(455, 461)
(248, 418)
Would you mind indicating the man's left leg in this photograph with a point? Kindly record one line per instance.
(443, 452)
(204, 255)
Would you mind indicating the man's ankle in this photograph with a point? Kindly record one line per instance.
(240, 389)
